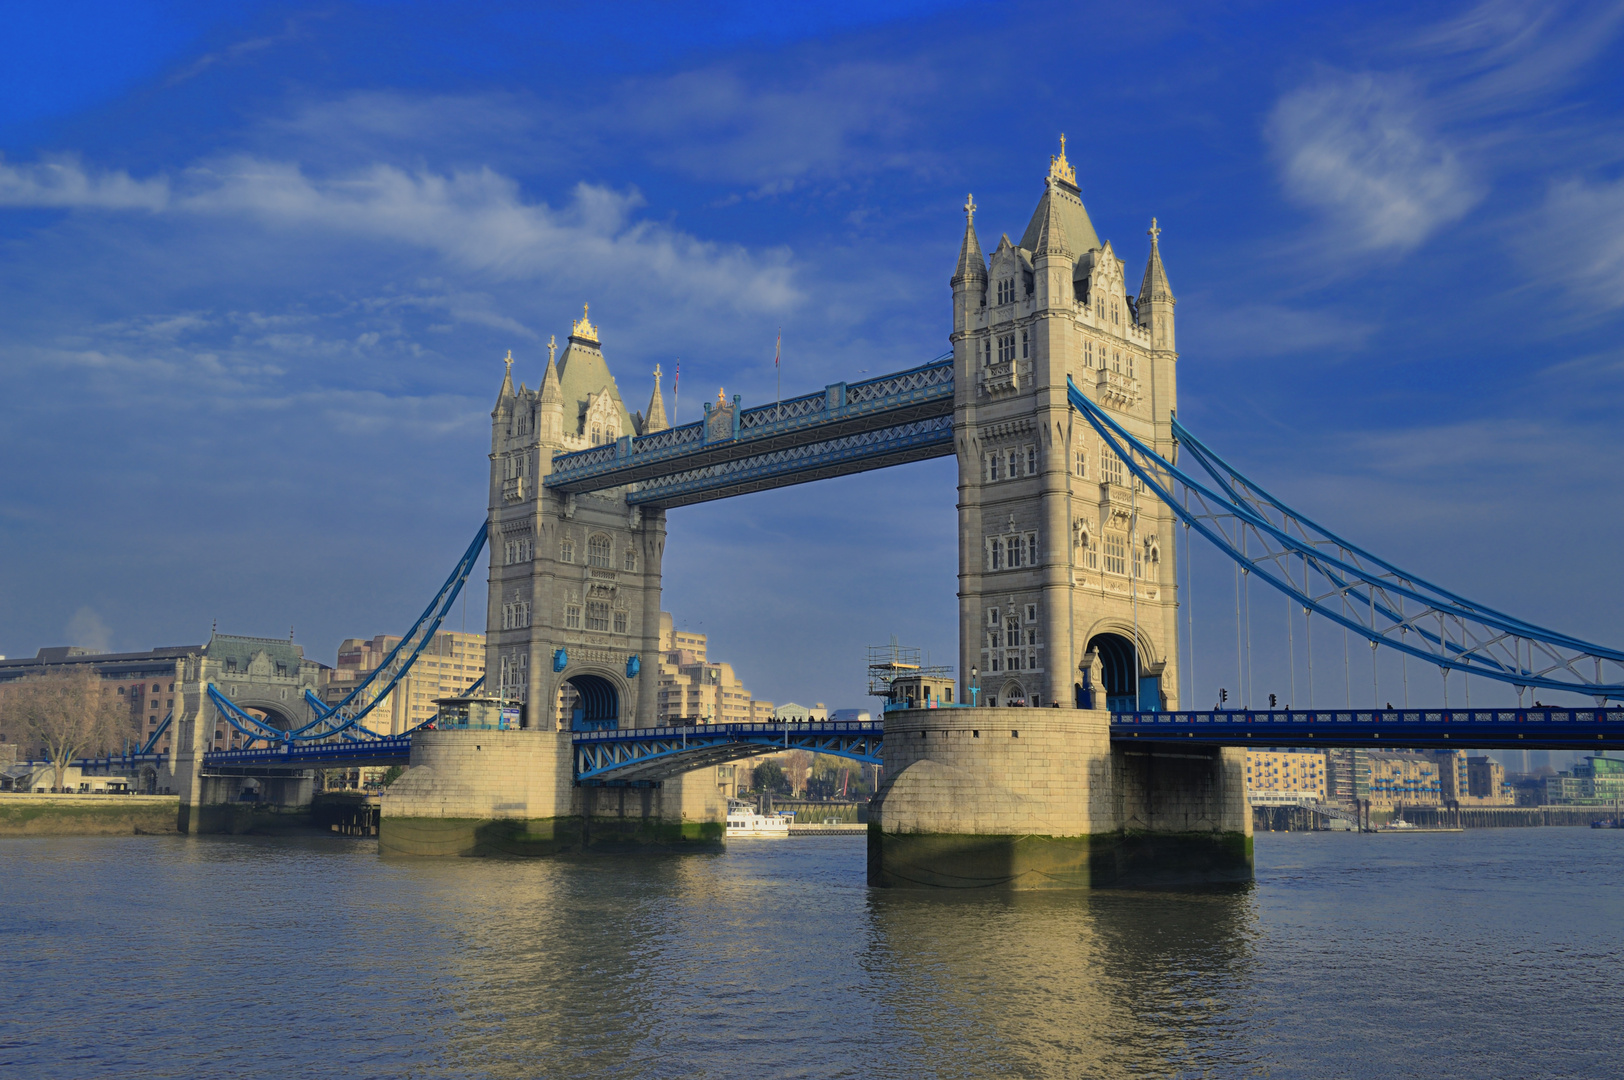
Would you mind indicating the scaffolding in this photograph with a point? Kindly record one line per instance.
(887, 663)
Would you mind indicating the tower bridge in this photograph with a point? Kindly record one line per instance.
(1058, 400)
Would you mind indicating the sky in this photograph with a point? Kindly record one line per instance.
(260, 263)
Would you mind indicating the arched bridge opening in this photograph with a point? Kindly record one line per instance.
(589, 703)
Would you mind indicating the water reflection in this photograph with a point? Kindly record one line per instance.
(1464, 955)
(1063, 985)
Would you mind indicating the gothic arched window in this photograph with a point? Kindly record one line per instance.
(597, 551)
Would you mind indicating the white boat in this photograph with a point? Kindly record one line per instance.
(750, 823)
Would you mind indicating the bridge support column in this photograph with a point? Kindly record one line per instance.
(513, 793)
(1040, 799)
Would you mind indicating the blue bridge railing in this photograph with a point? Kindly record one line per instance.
(1477, 729)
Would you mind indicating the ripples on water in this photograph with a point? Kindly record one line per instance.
(1491, 953)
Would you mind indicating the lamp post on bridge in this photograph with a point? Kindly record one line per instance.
(975, 689)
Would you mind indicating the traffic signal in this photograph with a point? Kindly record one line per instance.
(1223, 695)
(1271, 701)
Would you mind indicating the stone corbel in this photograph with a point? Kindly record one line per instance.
(569, 505)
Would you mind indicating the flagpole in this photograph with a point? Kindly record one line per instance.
(676, 391)
(778, 352)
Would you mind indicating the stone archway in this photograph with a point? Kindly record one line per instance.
(1117, 660)
(590, 703)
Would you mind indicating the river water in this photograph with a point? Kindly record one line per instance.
(1493, 953)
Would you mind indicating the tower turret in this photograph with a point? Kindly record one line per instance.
(1156, 297)
(970, 276)
(502, 414)
(655, 420)
(550, 411)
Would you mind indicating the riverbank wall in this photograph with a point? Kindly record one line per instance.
(87, 815)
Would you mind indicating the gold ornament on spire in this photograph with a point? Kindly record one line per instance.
(721, 397)
(1059, 167)
(1154, 232)
(584, 329)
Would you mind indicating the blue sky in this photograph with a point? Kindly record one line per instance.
(259, 264)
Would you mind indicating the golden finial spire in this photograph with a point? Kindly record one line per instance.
(583, 329)
(1059, 167)
(721, 397)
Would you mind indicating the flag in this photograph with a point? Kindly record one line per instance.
(675, 379)
(778, 349)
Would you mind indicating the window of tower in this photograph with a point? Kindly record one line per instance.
(566, 551)
(620, 622)
(597, 551)
(1006, 291)
(1128, 370)
(995, 554)
(1112, 469)
(597, 615)
(572, 617)
(630, 561)
(1024, 346)
(1006, 348)
(1080, 462)
(992, 616)
(1116, 554)
(1031, 461)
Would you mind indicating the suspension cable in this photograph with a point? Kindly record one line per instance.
(1240, 680)
(1291, 647)
(1189, 601)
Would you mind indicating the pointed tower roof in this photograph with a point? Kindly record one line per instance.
(655, 420)
(582, 373)
(971, 262)
(1051, 238)
(1155, 286)
(505, 395)
(1063, 201)
(550, 392)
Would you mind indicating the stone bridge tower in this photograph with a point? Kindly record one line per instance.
(1061, 553)
(573, 625)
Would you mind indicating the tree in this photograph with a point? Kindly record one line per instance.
(769, 776)
(69, 714)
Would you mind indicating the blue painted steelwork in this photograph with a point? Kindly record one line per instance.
(347, 713)
(316, 703)
(899, 444)
(1396, 729)
(152, 740)
(888, 420)
(1327, 575)
(387, 750)
(649, 754)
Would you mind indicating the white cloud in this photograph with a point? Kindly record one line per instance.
(1577, 238)
(62, 183)
(1255, 330)
(477, 219)
(1360, 148)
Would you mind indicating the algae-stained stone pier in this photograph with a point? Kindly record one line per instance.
(1022, 798)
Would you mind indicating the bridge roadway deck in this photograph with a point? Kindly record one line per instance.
(644, 755)
(888, 420)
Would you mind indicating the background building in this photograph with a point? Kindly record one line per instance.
(693, 688)
(449, 664)
(1595, 781)
(1285, 775)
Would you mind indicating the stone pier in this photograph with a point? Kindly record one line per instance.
(1022, 798)
(513, 793)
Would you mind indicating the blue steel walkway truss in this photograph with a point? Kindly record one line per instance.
(633, 755)
(889, 420)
